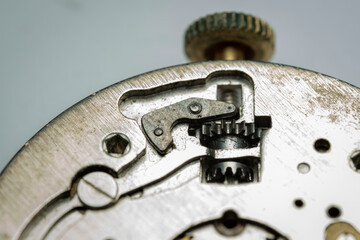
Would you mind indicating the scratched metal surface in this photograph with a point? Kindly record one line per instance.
(304, 106)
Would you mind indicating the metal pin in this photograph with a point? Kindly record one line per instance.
(195, 107)
(158, 132)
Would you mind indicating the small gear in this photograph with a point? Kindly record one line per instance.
(229, 127)
(244, 135)
(229, 172)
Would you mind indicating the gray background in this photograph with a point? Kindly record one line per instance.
(55, 53)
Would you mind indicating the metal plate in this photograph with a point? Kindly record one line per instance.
(41, 181)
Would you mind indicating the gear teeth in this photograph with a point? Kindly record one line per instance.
(257, 133)
(219, 176)
(237, 129)
(249, 177)
(239, 175)
(241, 128)
(228, 175)
(227, 127)
(249, 132)
(192, 131)
(205, 130)
(218, 130)
(243, 176)
(209, 175)
(249, 129)
(215, 175)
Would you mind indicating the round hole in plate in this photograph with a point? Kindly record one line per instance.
(303, 167)
(333, 212)
(229, 220)
(229, 224)
(322, 145)
(299, 203)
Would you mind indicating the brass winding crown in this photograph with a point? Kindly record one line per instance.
(229, 36)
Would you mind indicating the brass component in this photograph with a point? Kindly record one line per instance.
(185, 238)
(333, 231)
(229, 36)
(228, 52)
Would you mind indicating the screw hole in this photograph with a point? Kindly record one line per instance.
(303, 168)
(229, 224)
(299, 203)
(230, 219)
(116, 144)
(333, 212)
(322, 145)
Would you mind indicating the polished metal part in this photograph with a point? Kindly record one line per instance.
(44, 193)
(97, 189)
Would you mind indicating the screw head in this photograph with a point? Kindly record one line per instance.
(158, 132)
(97, 189)
(195, 108)
(116, 144)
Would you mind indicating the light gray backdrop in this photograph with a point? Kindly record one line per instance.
(54, 53)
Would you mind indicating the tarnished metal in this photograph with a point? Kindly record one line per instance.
(159, 123)
(45, 194)
(229, 36)
(341, 230)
